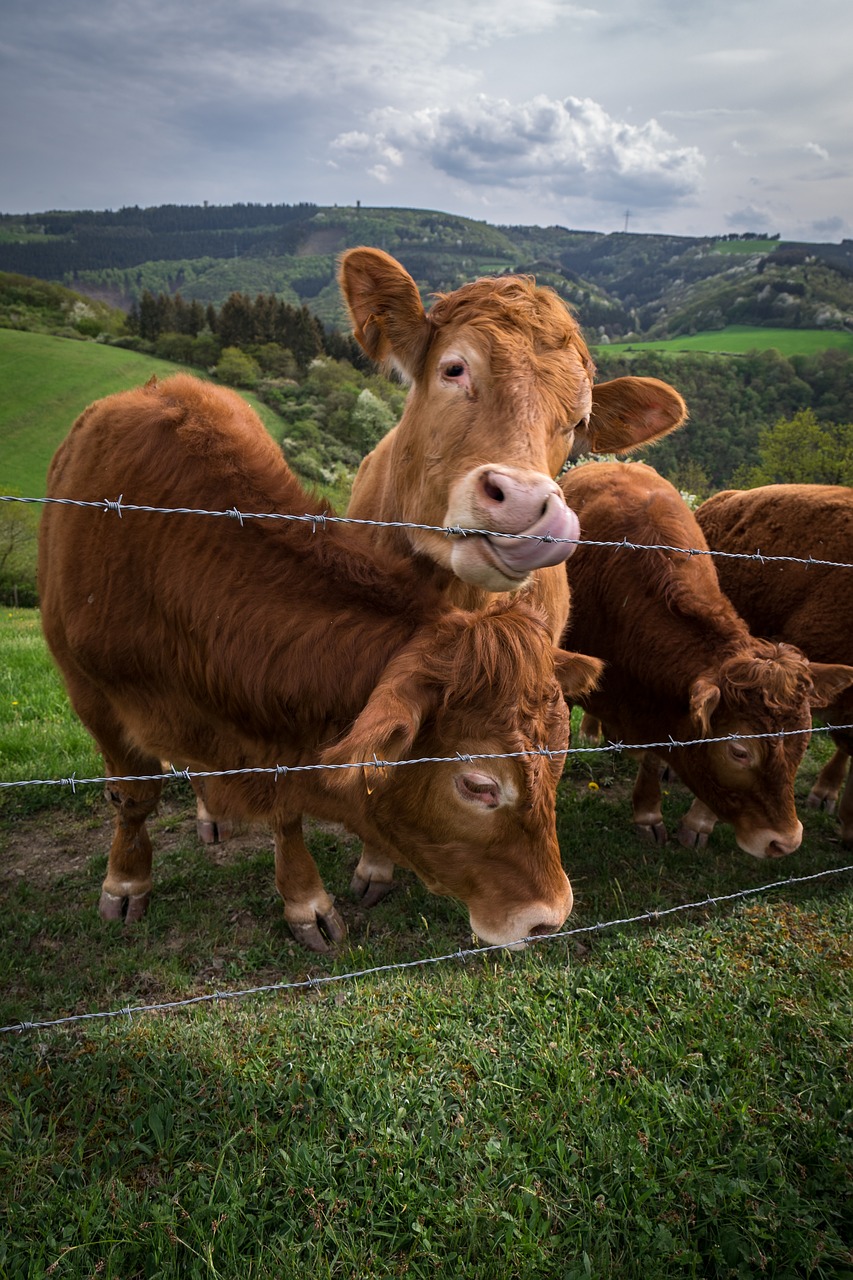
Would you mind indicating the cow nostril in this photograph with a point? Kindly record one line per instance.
(493, 491)
(540, 930)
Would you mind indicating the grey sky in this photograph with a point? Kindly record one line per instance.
(698, 119)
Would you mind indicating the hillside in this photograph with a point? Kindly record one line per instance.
(623, 285)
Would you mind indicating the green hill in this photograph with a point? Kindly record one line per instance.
(625, 286)
(47, 382)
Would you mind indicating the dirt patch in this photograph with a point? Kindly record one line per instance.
(54, 843)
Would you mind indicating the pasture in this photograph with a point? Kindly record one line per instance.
(654, 1100)
(738, 339)
(48, 381)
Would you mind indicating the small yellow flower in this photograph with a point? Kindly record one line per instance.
(592, 786)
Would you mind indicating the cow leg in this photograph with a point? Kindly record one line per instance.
(845, 810)
(127, 886)
(308, 909)
(648, 819)
(373, 878)
(210, 829)
(830, 780)
(126, 889)
(696, 826)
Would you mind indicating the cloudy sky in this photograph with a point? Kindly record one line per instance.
(669, 115)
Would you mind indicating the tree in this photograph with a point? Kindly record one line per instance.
(237, 369)
(18, 526)
(802, 450)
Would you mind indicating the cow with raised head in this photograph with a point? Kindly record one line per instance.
(501, 394)
(808, 605)
(682, 665)
(220, 645)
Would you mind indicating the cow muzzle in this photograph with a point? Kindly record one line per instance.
(525, 524)
(536, 920)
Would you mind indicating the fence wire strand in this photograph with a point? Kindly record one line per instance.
(118, 506)
(462, 954)
(278, 771)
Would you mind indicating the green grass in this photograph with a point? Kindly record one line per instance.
(655, 1101)
(47, 382)
(738, 339)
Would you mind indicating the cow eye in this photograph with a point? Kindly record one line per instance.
(454, 370)
(739, 753)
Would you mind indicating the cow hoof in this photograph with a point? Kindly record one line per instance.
(690, 839)
(130, 909)
(821, 800)
(212, 832)
(317, 934)
(369, 892)
(652, 832)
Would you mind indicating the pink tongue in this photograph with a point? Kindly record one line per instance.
(526, 553)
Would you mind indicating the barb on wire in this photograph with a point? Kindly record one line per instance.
(455, 531)
(315, 983)
(280, 770)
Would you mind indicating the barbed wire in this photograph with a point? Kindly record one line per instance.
(278, 771)
(463, 954)
(118, 506)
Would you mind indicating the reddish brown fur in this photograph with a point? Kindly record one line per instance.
(527, 407)
(811, 607)
(194, 639)
(680, 662)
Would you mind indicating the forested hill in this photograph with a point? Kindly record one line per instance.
(624, 285)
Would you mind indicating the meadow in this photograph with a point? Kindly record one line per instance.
(658, 1099)
(48, 381)
(738, 339)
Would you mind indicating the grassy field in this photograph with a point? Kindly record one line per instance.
(738, 339)
(47, 382)
(659, 1100)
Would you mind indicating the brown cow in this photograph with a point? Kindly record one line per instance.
(219, 646)
(809, 607)
(501, 394)
(681, 664)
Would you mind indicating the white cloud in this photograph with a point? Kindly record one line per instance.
(815, 149)
(561, 148)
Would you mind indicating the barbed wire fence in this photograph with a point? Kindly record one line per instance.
(119, 508)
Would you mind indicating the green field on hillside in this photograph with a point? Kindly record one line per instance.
(737, 339)
(46, 382)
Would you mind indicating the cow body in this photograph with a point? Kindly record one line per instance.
(808, 606)
(501, 393)
(225, 645)
(681, 664)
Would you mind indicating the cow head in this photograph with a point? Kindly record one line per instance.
(749, 780)
(480, 829)
(501, 396)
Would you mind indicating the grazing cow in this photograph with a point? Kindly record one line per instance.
(811, 607)
(223, 645)
(501, 393)
(681, 664)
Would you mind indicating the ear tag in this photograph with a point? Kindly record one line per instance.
(380, 770)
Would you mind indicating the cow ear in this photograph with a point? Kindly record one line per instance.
(830, 679)
(385, 730)
(387, 314)
(704, 697)
(576, 673)
(628, 412)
